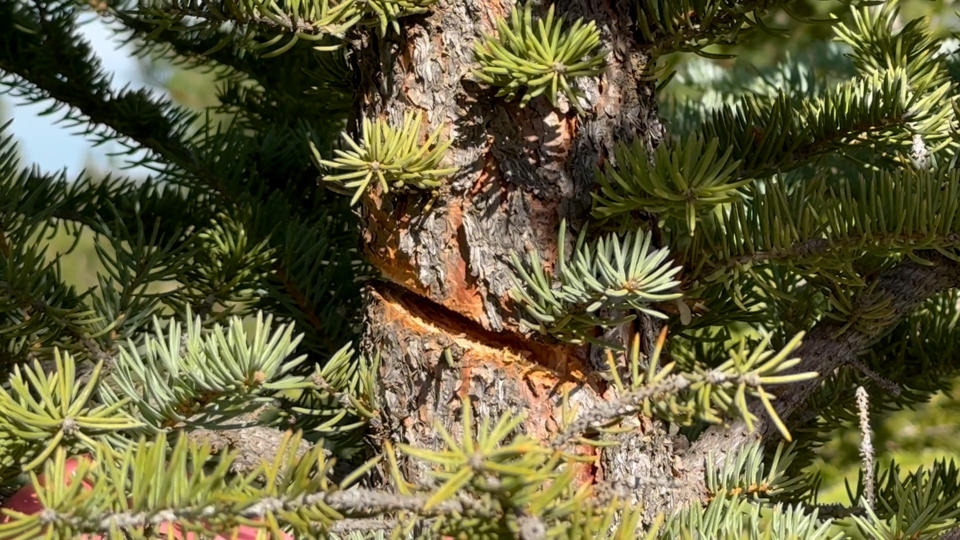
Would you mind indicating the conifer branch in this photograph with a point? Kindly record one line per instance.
(822, 228)
(762, 136)
(46, 411)
(615, 273)
(38, 70)
(299, 299)
(278, 21)
(539, 57)
(351, 502)
(295, 492)
(39, 308)
(693, 25)
(734, 517)
(704, 394)
(824, 350)
(32, 49)
(747, 474)
(771, 233)
(887, 385)
(918, 356)
(68, 318)
(283, 25)
(188, 377)
(388, 156)
(132, 114)
(347, 506)
(192, 49)
(922, 503)
(613, 411)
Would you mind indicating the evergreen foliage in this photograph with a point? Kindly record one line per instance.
(271, 28)
(47, 411)
(393, 157)
(693, 26)
(539, 57)
(711, 396)
(922, 503)
(211, 380)
(180, 376)
(677, 183)
(614, 273)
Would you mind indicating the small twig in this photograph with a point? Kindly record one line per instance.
(303, 305)
(30, 304)
(633, 402)
(881, 381)
(832, 510)
(609, 411)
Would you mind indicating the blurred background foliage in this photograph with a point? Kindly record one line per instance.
(911, 437)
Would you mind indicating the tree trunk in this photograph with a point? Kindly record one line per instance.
(445, 259)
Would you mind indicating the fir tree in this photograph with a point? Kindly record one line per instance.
(438, 268)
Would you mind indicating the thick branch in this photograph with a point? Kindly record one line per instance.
(907, 286)
(815, 248)
(827, 348)
(251, 444)
(639, 399)
(631, 403)
(354, 503)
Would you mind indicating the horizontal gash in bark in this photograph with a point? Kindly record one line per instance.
(445, 257)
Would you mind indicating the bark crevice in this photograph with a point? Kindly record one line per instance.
(446, 256)
(564, 361)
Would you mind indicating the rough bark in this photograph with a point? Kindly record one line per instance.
(953, 534)
(445, 260)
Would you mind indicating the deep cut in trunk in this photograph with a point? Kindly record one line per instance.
(442, 319)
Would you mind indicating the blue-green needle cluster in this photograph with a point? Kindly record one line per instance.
(614, 274)
(529, 58)
(392, 156)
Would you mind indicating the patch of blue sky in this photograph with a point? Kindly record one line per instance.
(53, 145)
